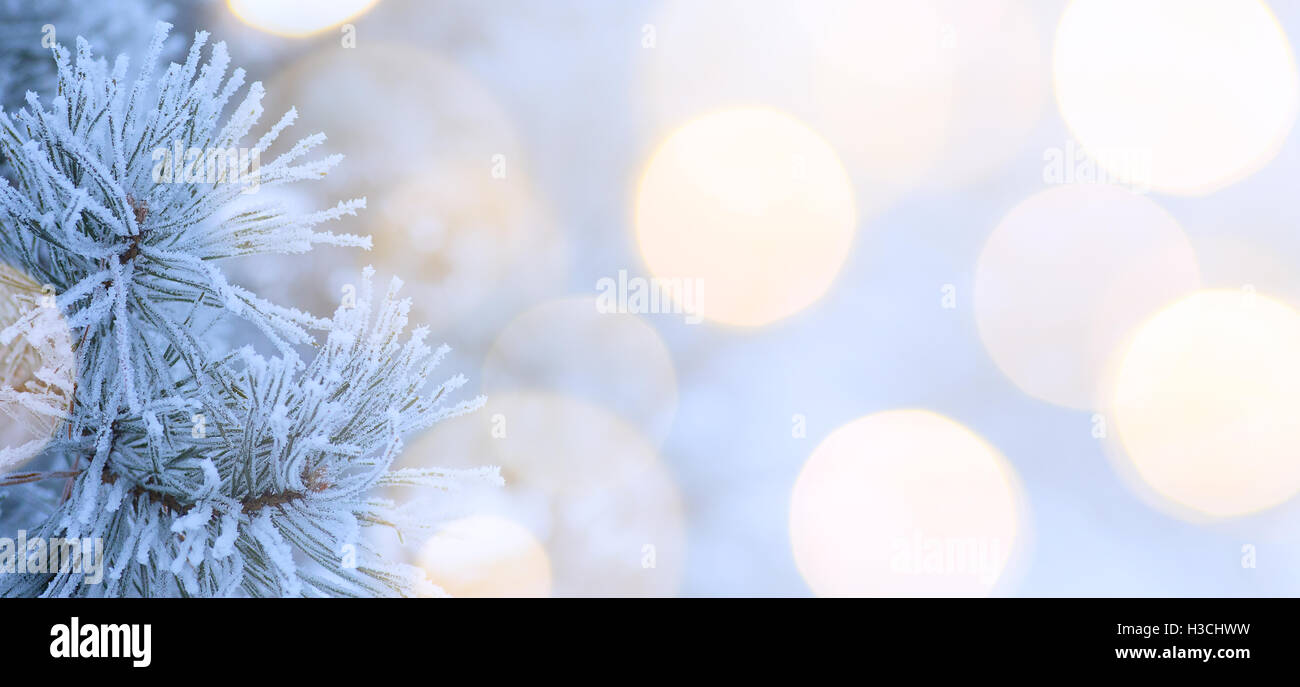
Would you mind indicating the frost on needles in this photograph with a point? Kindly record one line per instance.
(270, 492)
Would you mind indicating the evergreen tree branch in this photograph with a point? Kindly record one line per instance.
(205, 472)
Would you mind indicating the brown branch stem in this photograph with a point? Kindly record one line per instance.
(25, 477)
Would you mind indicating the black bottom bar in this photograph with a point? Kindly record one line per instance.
(269, 637)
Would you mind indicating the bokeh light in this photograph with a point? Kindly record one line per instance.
(753, 205)
(297, 18)
(486, 556)
(451, 205)
(1001, 86)
(392, 109)
(871, 76)
(1206, 88)
(904, 503)
(1207, 402)
(456, 234)
(614, 360)
(587, 483)
(1066, 276)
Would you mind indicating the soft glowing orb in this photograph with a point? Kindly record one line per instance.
(451, 205)
(1207, 88)
(904, 503)
(589, 485)
(486, 556)
(1066, 276)
(751, 204)
(1207, 402)
(398, 113)
(1001, 86)
(615, 360)
(37, 368)
(297, 18)
(457, 234)
(872, 76)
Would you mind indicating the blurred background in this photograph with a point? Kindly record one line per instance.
(850, 297)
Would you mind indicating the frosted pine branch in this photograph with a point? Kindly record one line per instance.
(205, 472)
(273, 499)
(136, 260)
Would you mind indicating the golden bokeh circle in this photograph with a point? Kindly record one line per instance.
(904, 503)
(752, 205)
(1207, 402)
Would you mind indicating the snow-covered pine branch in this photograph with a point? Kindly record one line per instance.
(271, 497)
(132, 259)
(204, 472)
